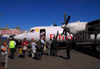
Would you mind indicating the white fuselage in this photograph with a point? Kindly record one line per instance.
(50, 31)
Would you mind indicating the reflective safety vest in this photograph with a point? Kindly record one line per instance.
(12, 45)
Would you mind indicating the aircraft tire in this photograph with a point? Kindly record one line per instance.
(98, 48)
(73, 44)
(94, 47)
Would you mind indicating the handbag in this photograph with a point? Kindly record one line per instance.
(20, 50)
(24, 48)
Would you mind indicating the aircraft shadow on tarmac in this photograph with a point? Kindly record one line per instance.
(87, 50)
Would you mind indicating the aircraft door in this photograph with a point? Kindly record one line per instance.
(43, 33)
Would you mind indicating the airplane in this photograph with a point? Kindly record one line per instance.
(76, 31)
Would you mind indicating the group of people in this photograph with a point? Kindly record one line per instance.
(52, 47)
(36, 49)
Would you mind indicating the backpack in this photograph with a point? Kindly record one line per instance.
(39, 45)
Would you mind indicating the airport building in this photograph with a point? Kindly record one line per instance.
(6, 33)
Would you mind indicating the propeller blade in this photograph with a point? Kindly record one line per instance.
(67, 20)
(65, 17)
(62, 32)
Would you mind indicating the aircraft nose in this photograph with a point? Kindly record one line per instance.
(17, 37)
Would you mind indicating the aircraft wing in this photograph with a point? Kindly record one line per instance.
(94, 25)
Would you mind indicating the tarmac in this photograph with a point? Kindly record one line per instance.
(81, 58)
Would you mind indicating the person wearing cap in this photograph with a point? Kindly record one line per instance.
(68, 49)
(12, 44)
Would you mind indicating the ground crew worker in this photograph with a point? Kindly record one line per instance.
(12, 44)
(68, 49)
(54, 47)
(4, 55)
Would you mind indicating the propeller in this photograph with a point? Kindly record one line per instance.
(66, 22)
(66, 29)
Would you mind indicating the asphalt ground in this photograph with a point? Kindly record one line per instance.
(81, 58)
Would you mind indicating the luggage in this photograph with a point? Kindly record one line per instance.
(39, 45)
(20, 50)
(24, 48)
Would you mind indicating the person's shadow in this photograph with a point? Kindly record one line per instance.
(20, 56)
(63, 57)
(30, 55)
(45, 54)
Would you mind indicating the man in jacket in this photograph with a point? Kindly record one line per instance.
(54, 47)
(68, 49)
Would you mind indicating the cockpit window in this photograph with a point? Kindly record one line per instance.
(32, 31)
(28, 31)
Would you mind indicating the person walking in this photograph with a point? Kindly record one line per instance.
(12, 44)
(68, 49)
(24, 47)
(34, 44)
(54, 47)
(42, 33)
(4, 55)
(42, 44)
(39, 50)
(0, 36)
(49, 47)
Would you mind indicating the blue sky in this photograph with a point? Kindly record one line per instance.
(31, 13)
